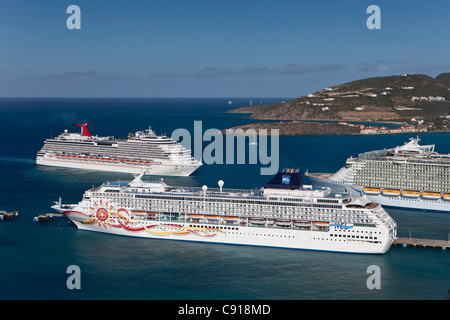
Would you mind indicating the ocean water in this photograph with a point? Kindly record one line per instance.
(35, 256)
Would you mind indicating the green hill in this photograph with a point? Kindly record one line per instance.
(444, 78)
(391, 98)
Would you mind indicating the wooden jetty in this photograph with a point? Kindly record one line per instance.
(8, 215)
(46, 217)
(415, 242)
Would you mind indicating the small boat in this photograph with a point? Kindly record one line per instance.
(446, 196)
(302, 223)
(282, 222)
(369, 190)
(230, 217)
(257, 221)
(411, 193)
(431, 195)
(391, 192)
(321, 223)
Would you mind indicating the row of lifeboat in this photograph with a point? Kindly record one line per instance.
(259, 221)
(406, 193)
(235, 220)
(62, 156)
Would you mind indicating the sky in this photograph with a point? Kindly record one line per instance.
(214, 48)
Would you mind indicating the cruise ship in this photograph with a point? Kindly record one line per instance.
(285, 213)
(408, 176)
(142, 151)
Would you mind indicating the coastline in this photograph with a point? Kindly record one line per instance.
(312, 128)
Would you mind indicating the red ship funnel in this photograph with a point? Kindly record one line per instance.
(84, 129)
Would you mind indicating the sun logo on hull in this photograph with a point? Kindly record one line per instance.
(103, 213)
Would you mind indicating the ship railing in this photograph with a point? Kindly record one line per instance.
(192, 191)
(373, 154)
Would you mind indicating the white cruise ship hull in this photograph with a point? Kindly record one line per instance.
(400, 201)
(142, 152)
(285, 213)
(336, 239)
(168, 169)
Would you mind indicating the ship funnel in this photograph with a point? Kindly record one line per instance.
(84, 129)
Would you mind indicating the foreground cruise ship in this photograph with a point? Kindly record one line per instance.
(285, 213)
(407, 176)
(143, 151)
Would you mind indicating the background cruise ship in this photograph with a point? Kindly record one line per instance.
(142, 151)
(408, 176)
(285, 213)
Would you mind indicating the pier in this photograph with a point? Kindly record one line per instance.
(8, 215)
(46, 217)
(415, 242)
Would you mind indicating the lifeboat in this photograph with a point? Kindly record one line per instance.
(230, 217)
(282, 222)
(391, 192)
(302, 223)
(257, 221)
(321, 223)
(446, 196)
(411, 193)
(196, 215)
(431, 195)
(369, 190)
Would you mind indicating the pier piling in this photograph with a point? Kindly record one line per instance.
(405, 242)
(8, 215)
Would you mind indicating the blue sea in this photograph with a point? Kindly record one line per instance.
(35, 256)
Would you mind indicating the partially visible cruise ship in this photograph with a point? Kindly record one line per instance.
(143, 151)
(407, 176)
(285, 213)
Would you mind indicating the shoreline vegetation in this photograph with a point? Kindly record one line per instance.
(309, 128)
(416, 102)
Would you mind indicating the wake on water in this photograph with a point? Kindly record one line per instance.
(21, 160)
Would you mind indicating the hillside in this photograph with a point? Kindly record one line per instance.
(302, 128)
(391, 98)
(444, 78)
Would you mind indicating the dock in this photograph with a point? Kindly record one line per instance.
(46, 217)
(415, 242)
(8, 215)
